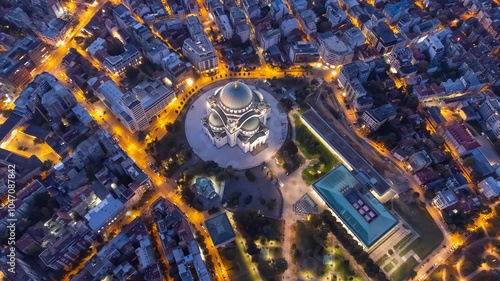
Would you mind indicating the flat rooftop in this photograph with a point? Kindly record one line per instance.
(337, 143)
(359, 210)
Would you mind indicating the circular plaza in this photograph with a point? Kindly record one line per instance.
(236, 125)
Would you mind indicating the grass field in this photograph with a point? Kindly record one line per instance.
(237, 267)
(438, 274)
(309, 259)
(314, 150)
(388, 267)
(344, 269)
(485, 276)
(382, 260)
(404, 269)
(476, 125)
(424, 225)
(403, 241)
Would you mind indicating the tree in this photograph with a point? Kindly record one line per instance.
(38, 141)
(87, 42)
(142, 76)
(230, 254)
(79, 39)
(235, 41)
(46, 165)
(250, 176)
(271, 204)
(412, 102)
(287, 104)
(416, 195)
(230, 171)
(115, 47)
(7, 113)
(469, 161)
(496, 145)
(131, 73)
(141, 135)
(272, 267)
(181, 158)
(438, 139)
(476, 175)
(324, 26)
(423, 66)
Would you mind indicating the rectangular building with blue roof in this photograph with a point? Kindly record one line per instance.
(348, 196)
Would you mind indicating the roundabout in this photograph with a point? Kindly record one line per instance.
(236, 125)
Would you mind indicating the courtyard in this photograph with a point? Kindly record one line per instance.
(234, 156)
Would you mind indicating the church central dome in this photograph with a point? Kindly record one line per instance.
(236, 95)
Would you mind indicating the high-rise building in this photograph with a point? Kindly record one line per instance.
(137, 107)
(47, 91)
(201, 54)
(333, 51)
(269, 37)
(304, 52)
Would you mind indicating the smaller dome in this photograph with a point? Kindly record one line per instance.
(214, 120)
(251, 124)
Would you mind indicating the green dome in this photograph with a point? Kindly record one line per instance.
(236, 95)
(251, 124)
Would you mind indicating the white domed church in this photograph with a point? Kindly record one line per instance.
(237, 116)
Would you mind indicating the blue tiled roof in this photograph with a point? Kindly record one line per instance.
(368, 220)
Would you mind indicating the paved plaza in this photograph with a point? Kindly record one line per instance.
(234, 156)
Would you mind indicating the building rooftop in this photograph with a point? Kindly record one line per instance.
(304, 47)
(220, 229)
(462, 137)
(104, 210)
(361, 212)
(382, 112)
(386, 35)
(333, 43)
(347, 153)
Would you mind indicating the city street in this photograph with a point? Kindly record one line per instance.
(293, 184)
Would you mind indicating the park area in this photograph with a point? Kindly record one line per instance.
(402, 271)
(343, 268)
(422, 222)
(444, 272)
(238, 268)
(315, 255)
(321, 159)
(311, 244)
(430, 237)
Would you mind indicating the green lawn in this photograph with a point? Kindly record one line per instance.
(404, 269)
(422, 222)
(342, 269)
(403, 241)
(382, 260)
(307, 248)
(476, 125)
(492, 261)
(312, 148)
(451, 274)
(388, 267)
(485, 276)
(237, 268)
(296, 120)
